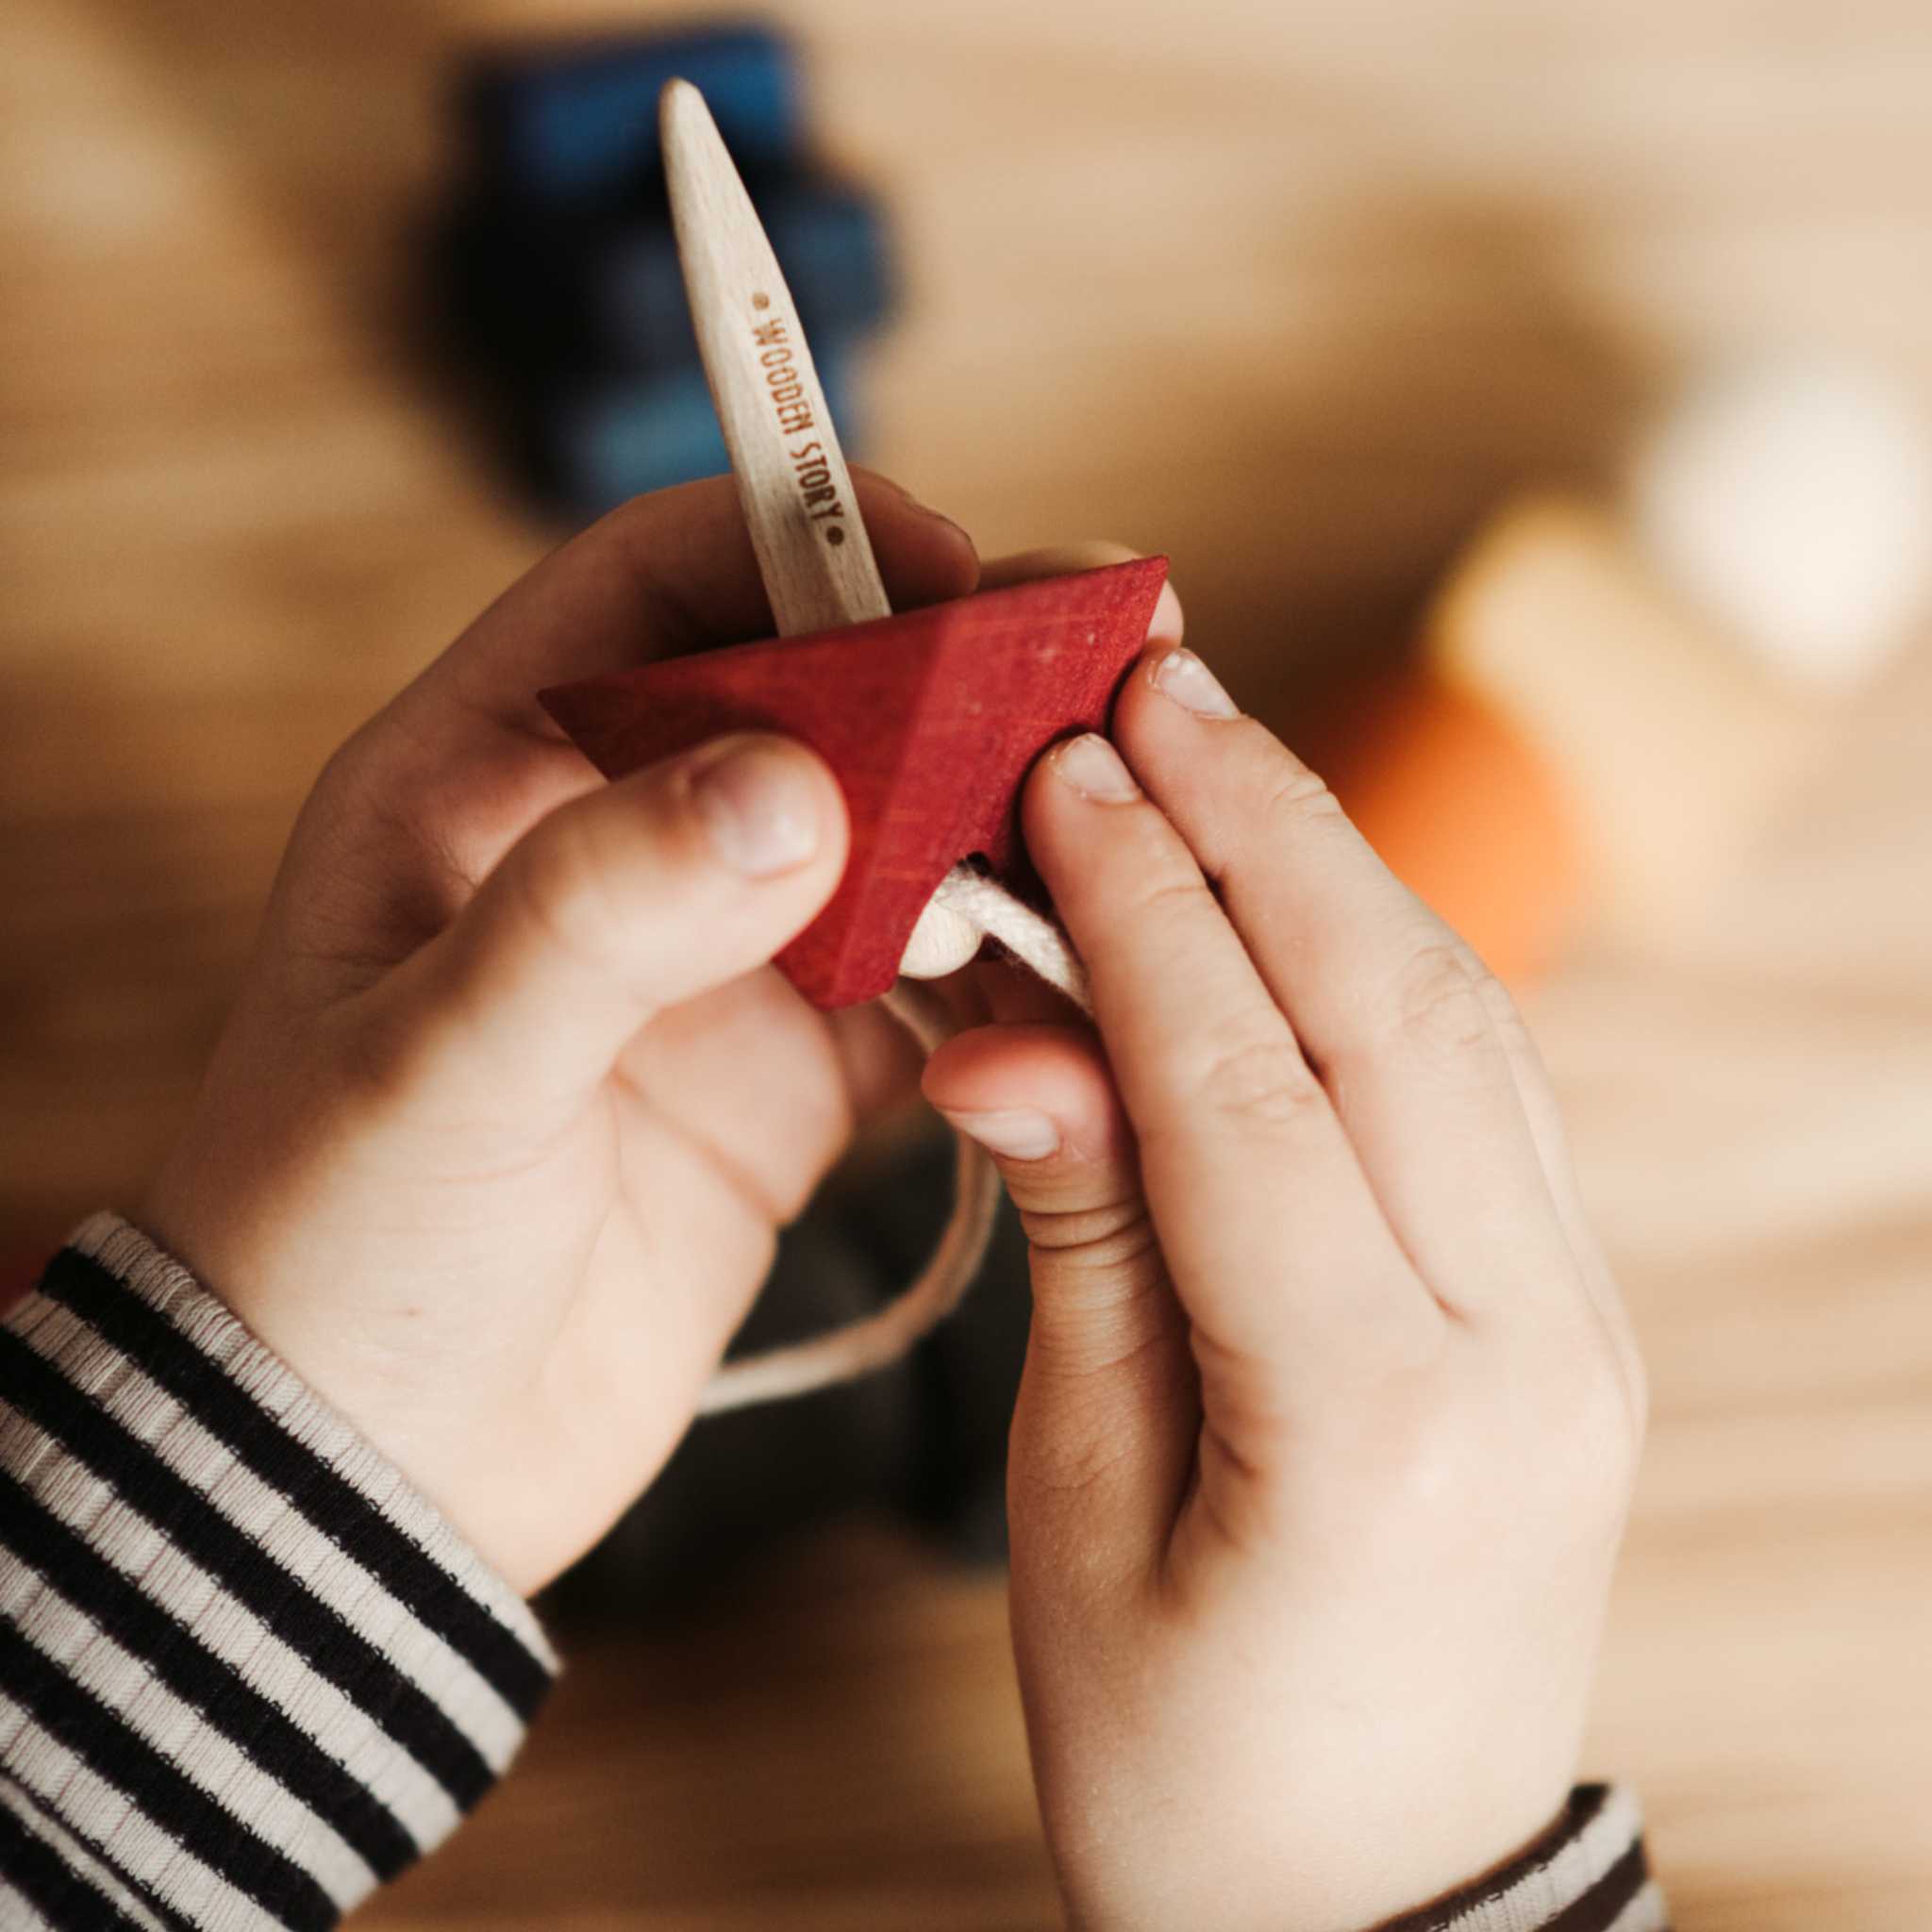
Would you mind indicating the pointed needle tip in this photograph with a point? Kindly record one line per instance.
(680, 108)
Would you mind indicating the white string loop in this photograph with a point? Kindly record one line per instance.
(966, 910)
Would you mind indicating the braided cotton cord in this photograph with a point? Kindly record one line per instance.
(983, 910)
(990, 911)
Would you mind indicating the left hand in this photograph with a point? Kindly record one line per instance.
(1330, 1411)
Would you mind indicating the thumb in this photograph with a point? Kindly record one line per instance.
(1104, 1428)
(635, 897)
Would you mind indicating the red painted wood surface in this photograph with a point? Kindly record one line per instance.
(930, 720)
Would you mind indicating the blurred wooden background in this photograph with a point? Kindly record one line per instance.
(1294, 294)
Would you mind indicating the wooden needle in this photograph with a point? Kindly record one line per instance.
(812, 549)
(817, 564)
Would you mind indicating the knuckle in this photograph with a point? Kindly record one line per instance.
(357, 784)
(343, 777)
(1412, 1443)
(1498, 1002)
(1591, 1424)
(1439, 1006)
(1162, 915)
(381, 789)
(1607, 1431)
(1295, 799)
(378, 1057)
(1258, 1083)
(1104, 1239)
(1169, 893)
(561, 881)
(387, 758)
(1169, 898)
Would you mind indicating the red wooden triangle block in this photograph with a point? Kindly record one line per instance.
(930, 720)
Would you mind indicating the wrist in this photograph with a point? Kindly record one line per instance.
(299, 1623)
(315, 1333)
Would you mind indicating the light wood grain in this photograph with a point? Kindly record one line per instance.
(1293, 294)
(812, 543)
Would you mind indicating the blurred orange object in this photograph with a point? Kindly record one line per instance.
(1465, 810)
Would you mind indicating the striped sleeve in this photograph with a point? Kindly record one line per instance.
(246, 1672)
(1589, 1874)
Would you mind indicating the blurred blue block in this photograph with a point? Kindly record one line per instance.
(596, 444)
(831, 244)
(576, 124)
(607, 292)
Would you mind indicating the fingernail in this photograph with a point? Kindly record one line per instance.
(1017, 1132)
(1093, 769)
(760, 805)
(1183, 677)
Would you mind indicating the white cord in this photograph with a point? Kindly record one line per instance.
(986, 907)
(967, 909)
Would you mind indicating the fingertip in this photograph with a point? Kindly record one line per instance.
(637, 896)
(1053, 560)
(1171, 685)
(1056, 1071)
(924, 556)
(1080, 795)
(769, 806)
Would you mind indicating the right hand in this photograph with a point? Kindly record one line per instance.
(1330, 1412)
(497, 1141)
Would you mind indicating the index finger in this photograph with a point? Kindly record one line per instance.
(1410, 1034)
(1271, 1233)
(663, 574)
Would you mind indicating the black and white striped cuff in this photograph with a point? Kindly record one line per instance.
(1589, 1874)
(250, 1674)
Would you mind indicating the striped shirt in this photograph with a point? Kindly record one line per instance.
(247, 1674)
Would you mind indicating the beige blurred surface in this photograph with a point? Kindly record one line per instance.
(1293, 294)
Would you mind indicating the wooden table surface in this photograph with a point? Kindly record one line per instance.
(1293, 294)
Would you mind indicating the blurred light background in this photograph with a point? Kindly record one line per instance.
(1531, 397)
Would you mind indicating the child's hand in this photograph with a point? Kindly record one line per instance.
(1330, 1412)
(494, 1148)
